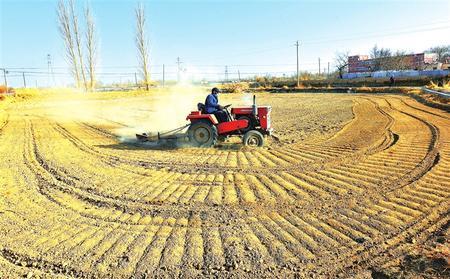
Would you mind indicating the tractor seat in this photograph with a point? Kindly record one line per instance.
(201, 107)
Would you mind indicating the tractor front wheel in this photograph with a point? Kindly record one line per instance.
(202, 134)
(253, 138)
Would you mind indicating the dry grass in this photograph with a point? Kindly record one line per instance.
(237, 87)
(445, 87)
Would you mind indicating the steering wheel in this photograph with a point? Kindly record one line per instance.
(228, 112)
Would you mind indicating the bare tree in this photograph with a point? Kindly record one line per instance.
(66, 32)
(142, 44)
(442, 52)
(380, 57)
(91, 46)
(341, 62)
(398, 61)
(77, 38)
(376, 52)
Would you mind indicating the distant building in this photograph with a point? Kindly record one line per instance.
(362, 63)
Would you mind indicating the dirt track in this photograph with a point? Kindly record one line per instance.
(355, 182)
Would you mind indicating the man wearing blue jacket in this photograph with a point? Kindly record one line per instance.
(212, 105)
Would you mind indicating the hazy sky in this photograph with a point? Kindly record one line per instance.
(249, 36)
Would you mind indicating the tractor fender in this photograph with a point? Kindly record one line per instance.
(232, 126)
(204, 117)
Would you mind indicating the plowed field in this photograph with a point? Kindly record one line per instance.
(354, 182)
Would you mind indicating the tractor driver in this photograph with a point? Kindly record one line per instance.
(212, 105)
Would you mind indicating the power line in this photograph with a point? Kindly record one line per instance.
(178, 69)
(20, 69)
(163, 75)
(35, 70)
(407, 27)
(344, 39)
(226, 74)
(24, 80)
(131, 75)
(397, 28)
(375, 36)
(298, 76)
(250, 51)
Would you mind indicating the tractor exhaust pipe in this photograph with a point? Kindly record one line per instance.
(254, 107)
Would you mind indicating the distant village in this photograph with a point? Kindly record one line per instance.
(418, 64)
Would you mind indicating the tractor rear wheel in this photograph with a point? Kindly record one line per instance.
(253, 138)
(202, 134)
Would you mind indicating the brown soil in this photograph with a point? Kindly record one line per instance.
(356, 187)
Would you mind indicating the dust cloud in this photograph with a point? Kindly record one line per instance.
(158, 111)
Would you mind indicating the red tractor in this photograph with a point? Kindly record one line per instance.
(250, 123)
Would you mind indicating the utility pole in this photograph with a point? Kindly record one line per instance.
(164, 76)
(49, 64)
(178, 72)
(298, 75)
(319, 66)
(135, 79)
(24, 81)
(328, 70)
(226, 74)
(4, 76)
(239, 76)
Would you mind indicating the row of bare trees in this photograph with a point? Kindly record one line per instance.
(69, 28)
(387, 59)
(81, 51)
